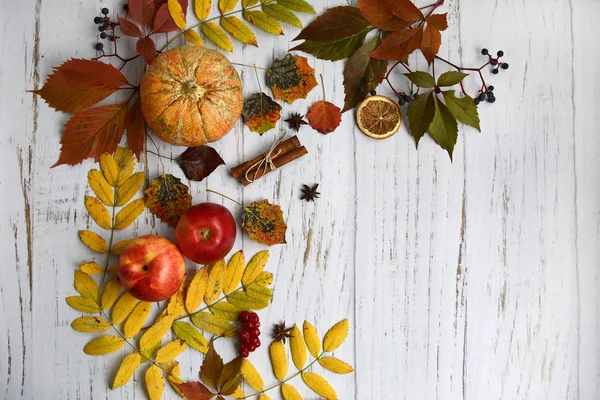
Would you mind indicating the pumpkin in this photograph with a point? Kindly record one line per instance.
(191, 95)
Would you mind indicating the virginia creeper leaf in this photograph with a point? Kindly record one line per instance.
(464, 109)
(421, 79)
(136, 128)
(291, 78)
(261, 113)
(438, 21)
(264, 223)
(146, 48)
(168, 198)
(211, 367)
(430, 45)
(141, 11)
(399, 45)
(420, 115)
(229, 373)
(129, 28)
(444, 128)
(199, 162)
(451, 78)
(378, 13)
(324, 116)
(333, 50)
(193, 390)
(406, 10)
(335, 23)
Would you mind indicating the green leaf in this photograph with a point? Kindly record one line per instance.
(263, 21)
(191, 336)
(282, 14)
(216, 35)
(421, 79)
(451, 78)
(444, 128)
(420, 115)
(213, 324)
(464, 109)
(333, 50)
(239, 30)
(226, 311)
(247, 302)
(297, 5)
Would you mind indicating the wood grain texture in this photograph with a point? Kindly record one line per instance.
(477, 279)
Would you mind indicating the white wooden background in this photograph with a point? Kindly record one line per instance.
(476, 279)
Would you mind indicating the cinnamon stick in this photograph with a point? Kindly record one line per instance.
(278, 162)
(282, 148)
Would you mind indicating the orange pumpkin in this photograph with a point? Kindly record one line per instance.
(191, 95)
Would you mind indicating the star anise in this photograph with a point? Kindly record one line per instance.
(310, 193)
(296, 121)
(280, 333)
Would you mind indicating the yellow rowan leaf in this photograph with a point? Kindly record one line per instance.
(248, 3)
(109, 168)
(177, 14)
(93, 241)
(129, 213)
(311, 337)
(110, 293)
(91, 268)
(235, 270)
(281, 13)
(226, 311)
(336, 336)
(123, 308)
(297, 347)
(255, 267)
(98, 212)
(155, 383)
(214, 285)
(202, 8)
(264, 397)
(239, 30)
(319, 385)
(191, 336)
(196, 290)
(264, 279)
(216, 35)
(176, 306)
(213, 324)
(125, 162)
(112, 270)
(129, 188)
(155, 333)
(102, 189)
(83, 304)
(126, 370)
(263, 21)
(259, 292)
(170, 351)
(137, 318)
(226, 6)
(335, 365)
(251, 375)
(246, 302)
(119, 246)
(193, 37)
(238, 394)
(103, 345)
(278, 360)
(90, 324)
(289, 392)
(148, 353)
(86, 285)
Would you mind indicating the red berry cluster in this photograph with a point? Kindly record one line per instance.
(250, 333)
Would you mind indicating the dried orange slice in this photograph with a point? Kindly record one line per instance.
(378, 117)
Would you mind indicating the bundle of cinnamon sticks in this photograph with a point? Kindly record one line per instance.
(282, 154)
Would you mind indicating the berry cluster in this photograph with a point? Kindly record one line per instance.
(249, 333)
(488, 95)
(106, 28)
(495, 62)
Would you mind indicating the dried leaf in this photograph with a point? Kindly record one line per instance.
(91, 324)
(246, 302)
(170, 351)
(102, 189)
(142, 11)
(123, 308)
(319, 385)
(289, 392)
(168, 198)
(211, 367)
(193, 390)
(432, 40)
(231, 387)
(264, 223)
(86, 285)
(128, 28)
(213, 324)
(451, 78)
(98, 212)
(312, 340)
(216, 35)
(78, 84)
(261, 113)
(146, 48)
(234, 272)
(226, 6)
(83, 304)
(421, 79)
(119, 246)
(214, 285)
(324, 116)
(297, 347)
(136, 128)
(202, 8)
(193, 37)
(199, 162)
(163, 23)
(463, 109)
(93, 241)
(263, 21)
(176, 305)
(297, 5)
(406, 10)
(103, 345)
(282, 14)
(333, 50)
(196, 290)
(125, 164)
(239, 30)
(137, 318)
(379, 14)
(278, 360)
(335, 336)
(444, 128)
(109, 168)
(335, 23)
(335, 365)
(126, 370)
(438, 21)
(291, 78)
(399, 45)
(228, 376)
(110, 293)
(155, 383)
(177, 13)
(129, 214)
(155, 333)
(264, 279)
(191, 336)
(129, 188)
(420, 114)
(251, 375)
(91, 268)
(259, 292)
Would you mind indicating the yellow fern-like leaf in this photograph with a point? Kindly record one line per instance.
(226, 311)
(259, 292)
(123, 308)
(155, 383)
(125, 163)
(109, 168)
(249, 3)
(311, 337)
(126, 370)
(177, 14)
(129, 188)
(196, 290)
(319, 385)
(278, 360)
(137, 318)
(102, 189)
(263, 21)
(93, 241)
(252, 376)
(289, 392)
(335, 365)
(336, 336)
(91, 268)
(86, 285)
(110, 293)
(235, 270)
(226, 6)
(155, 333)
(264, 279)
(129, 213)
(239, 30)
(191, 336)
(264, 397)
(119, 246)
(297, 348)
(98, 212)
(176, 306)
(216, 35)
(214, 285)
(170, 351)
(83, 304)
(255, 267)
(281, 13)
(244, 301)
(193, 37)
(103, 345)
(212, 324)
(202, 8)
(90, 324)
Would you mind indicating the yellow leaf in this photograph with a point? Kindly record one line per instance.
(263, 21)
(110, 293)
(91, 268)
(297, 347)
(214, 285)
(98, 212)
(282, 14)
(90, 324)
(129, 188)
(176, 305)
(216, 35)
(311, 337)
(226, 311)
(289, 392)
(246, 302)
(112, 270)
(155, 383)
(193, 37)
(239, 394)
(123, 308)
(264, 279)
(255, 267)
(251, 375)
(155, 333)
(319, 385)
(109, 168)
(170, 351)
(126, 370)
(248, 3)
(202, 8)
(239, 30)
(212, 324)
(196, 290)
(129, 213)
(83, 304)
(148, 353)
(233, 275)
(297, 5)
(86, 285)
(103, 345)
(226, 6)
(335, 365)
(278, 360)
(258, 292)
(177, 14)
(125, 162)
(191, 336)
(102, 189)
(93, 241)
(137, 318)
(336, 336)
(120, 245)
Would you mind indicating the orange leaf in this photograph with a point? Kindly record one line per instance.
(261, 113)
(432, 40)
(193, 390)
(378, 14)
(129, 28)
(291, 78)
(146, 48)
(324, 116)
(398, 45)
(78, 84)
(403, 9)
(163, 22)
(91, 132)
(264, 222)
(136, 128)
(142, 11)
(438, 21)
(168, 198)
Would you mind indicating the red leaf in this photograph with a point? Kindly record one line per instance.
(136, 128)
(91, 132)
(78, 84)
(378, 14)
(163, 22)
(399, 45)
(432, 40)
(438, 21)
(324, 116)
(146, 48)
(336, 23)
(193, 390)
(404, 9)
(129, 28)
(199, 162)
(142, 11)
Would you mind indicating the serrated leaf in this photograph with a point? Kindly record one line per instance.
(214, 284)
(123, 308)
(261, 113)
(324, 117)
(226, 6)
(239, 30)
(199, 162)
(264, 223)
(234, 272)
(129, 28)
(90, 324)
(213, 324)
(196, 290)
(297, 347)
(399, 45)
(148, 353)
(193, 37)
(125, 163)
(215, 34)
(155, 333)
(103, 345)
(263, 21)
(91, 268)
(431, 43)
(202, 8)
(421, 79)
(259, 292)
(83, 304)
(291, 78)
(170, 351)
(255, 267)
(333, 50)
(451, 78)
(176, 306)
(319, 385)
(86, 285)
(192, 390)
(126, 370)
(119, 246)
(444, 128)
(289, 392)
(191, 336)
(142, 11)
(438, 21)
(155, 383)
(278, 360)
(109, 168)
(380, 14)
(228, 376)
(335, 365)
(168, 198)
(211, 367)
(129, 214)
(335, 23)
(102, 189)
(251, 375)
(336, 336)
(232, 386)
(163, 22)
(420, 114)
(110, 293)
(246, 302)
(177, 13)
(226, 311)
(249, 3)
(98, 212)
(137, 318)
(264, 279)
(129, 188)
(135, 125)
(282, 14)
(297, 5)
(311, 338)
(93, 241)
(464, 109)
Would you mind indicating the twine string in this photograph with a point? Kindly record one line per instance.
(265, 162)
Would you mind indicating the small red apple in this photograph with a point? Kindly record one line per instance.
(205, 233)
(151, 268)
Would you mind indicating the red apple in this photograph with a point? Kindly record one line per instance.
(151, 268)
(205, 233)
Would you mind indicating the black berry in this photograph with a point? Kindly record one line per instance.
(491, 100)
(504, 66)
(125, 6)
(98, 20)
(500, 53)
(485, 52)
(365, 79)
(416, 96)
(481, 97)
(113, 24)
(406, 98)
(495, 71)
(101, 28)
(438, 90)
(401, 101)
(490, 94)
(103, 35)
(105, 11)
(106, 25)
(476, 101)
(490, 88)
(373, 92)
(99, 46)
